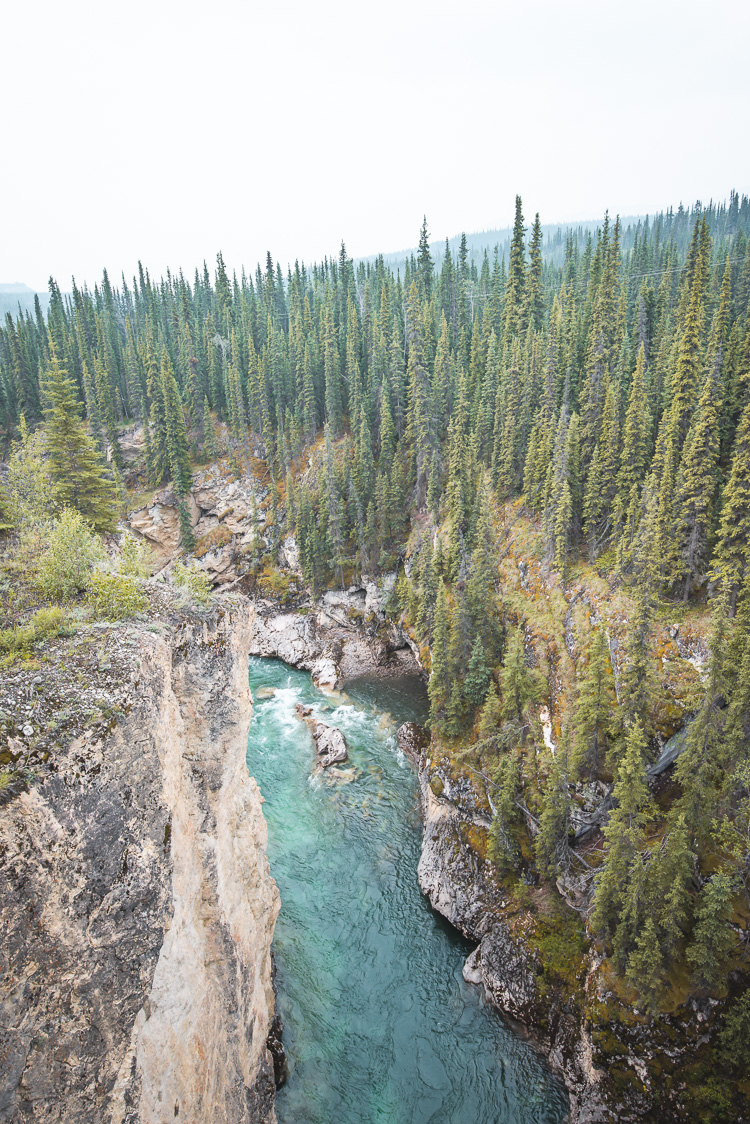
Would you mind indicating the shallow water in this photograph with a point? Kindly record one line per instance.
(379, 1024)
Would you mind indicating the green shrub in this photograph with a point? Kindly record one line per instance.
(114, 596)
(44, 624)
(73, 550)
(135, 560)
(49, 621)
(195, 582)
(29, 491)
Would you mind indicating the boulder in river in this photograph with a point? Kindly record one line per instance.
(330, 743)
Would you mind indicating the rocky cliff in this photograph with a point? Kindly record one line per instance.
(463, 887)
(345, 635)
(138, 909)
(618, 1063)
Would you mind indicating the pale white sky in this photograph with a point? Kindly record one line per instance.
(168, 129)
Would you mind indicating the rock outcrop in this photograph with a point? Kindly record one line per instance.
(332, 644)
(226, 517)
(330, 743)
(138, 908)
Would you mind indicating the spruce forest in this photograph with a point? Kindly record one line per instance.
(436, 422)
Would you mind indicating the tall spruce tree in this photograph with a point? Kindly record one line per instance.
(80, 477)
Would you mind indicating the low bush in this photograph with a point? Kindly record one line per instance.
(278, 585)
(135, 560)
(217, 537)
(196, 583)
(71, 554)
(44, 624)
(114, 596)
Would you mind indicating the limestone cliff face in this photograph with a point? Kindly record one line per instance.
(138, 908)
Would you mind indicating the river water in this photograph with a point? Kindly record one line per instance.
(379, 1024)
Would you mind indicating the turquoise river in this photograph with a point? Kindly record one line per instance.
(379, 1024)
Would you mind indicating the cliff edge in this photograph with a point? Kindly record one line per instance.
(138, 909)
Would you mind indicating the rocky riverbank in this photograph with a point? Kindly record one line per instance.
(462, 885)
(334, 642)
(619, 1063)
(138, 908)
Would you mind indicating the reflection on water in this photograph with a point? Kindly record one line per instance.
(379, 1024)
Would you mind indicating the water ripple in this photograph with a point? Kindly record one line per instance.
(379, 1023)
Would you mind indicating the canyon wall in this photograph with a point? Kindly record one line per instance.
(138, 908)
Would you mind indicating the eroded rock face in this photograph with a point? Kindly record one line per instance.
(224, 515)
(332, 650)
(138, 909)
(159, 523)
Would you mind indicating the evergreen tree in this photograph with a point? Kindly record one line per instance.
(515, 286)
(210, 444)
(624, 835)
(595, 713)
(439, 684)
(519, 683)
(534, 292)
(733, 548)
(635, 442)
(477, 676)
(425, 261)
(552, 847)
(176, 436)
(646, 965)
(696, 486)
(671, 871)
(713, 939)
(689, 352)
(698, 769)
(80, 476)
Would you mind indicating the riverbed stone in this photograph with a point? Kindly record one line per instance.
(330, 745)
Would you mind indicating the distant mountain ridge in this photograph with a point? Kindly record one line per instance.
(553, 245)
(673, 222)
(15, 295)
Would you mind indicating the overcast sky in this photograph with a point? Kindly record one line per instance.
(166, 129)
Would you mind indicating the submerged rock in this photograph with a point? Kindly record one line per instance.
(346, 776)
